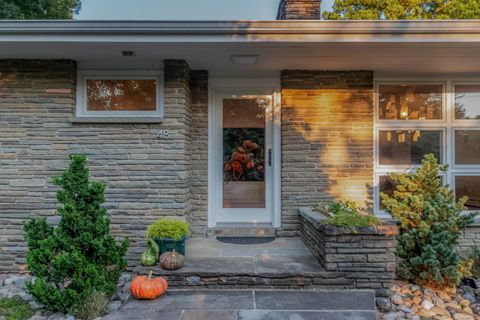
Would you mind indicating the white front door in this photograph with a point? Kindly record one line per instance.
(243, 166)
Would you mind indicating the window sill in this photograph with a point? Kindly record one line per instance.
(126, 120)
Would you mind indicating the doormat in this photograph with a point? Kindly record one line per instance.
(246, 240)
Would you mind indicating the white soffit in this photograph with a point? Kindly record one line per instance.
(383, 46)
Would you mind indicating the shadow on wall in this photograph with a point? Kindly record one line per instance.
(327, 139)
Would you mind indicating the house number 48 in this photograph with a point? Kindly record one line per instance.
(163, 134)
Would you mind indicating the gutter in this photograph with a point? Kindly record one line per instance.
(281, 27)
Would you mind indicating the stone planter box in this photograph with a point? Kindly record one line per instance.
(366, 256)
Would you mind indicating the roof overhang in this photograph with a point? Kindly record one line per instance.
(422, 46)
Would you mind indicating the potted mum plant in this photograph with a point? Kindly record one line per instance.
(170, 234)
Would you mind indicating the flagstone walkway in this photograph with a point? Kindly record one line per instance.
(253, 305)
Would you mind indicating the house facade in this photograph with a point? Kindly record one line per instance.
(232, 124)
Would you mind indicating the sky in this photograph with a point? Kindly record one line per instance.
(181, 9)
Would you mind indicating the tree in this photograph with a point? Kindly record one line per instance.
(79, 257)
(38, 9)
(403, 9)
(430, 222)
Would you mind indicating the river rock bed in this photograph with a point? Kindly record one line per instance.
(14, 286)
(409, 301)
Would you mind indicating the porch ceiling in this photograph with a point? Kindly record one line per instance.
(385, 47)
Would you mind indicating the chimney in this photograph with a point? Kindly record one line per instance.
(299, 10)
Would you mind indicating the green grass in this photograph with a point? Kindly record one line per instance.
(13, 309)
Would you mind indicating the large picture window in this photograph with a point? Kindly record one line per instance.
(119, 94)
(414, 119)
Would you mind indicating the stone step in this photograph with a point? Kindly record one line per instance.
(262, 271)
(244, 232)
(253, 305)
(242, 315)
(299, 315)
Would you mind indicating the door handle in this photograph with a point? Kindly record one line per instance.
(269, 157)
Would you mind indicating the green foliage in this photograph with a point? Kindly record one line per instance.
(150, 256)
(346, 214)
(14, 309)
(79, 255)
(430, 221)
(92, 307)
(169, 229)
(403, 9)
(39, 9)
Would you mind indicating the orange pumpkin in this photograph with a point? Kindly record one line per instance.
(144, 287)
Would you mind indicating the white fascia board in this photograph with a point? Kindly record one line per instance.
(240, 31)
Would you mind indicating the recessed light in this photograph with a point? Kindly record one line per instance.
(244, 59)
(128, 53)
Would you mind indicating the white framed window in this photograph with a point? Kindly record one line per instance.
(114, 94)
(439, 116)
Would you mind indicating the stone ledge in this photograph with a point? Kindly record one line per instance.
(388, 228)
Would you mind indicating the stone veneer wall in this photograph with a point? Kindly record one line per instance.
(199, 159)
(469, 238)
(365, 256)
(299, 10)
(327, 140)
(147, 177)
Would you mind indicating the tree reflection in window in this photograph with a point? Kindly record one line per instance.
(467, 102)
(121, 95)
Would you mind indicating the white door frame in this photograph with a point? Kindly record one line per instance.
(255, 84)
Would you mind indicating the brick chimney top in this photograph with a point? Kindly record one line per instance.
(299, 10)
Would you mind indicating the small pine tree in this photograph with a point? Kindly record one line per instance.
(430, 222)
(78, 257)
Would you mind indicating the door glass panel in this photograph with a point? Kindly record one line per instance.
(468, 186)
(244, 152)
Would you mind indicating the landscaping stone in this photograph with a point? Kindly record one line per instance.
(396, 299)
(38, 317)
(389, 316)
(57, 316)
(35, 305)
(470, 297)
(114, 306)
(384, 305)
(414, 302)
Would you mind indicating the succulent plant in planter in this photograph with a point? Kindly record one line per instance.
(170, 234)
(346, 214)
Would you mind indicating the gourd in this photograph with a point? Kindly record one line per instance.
(150, 256)
(171, 260)
(149, 288)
